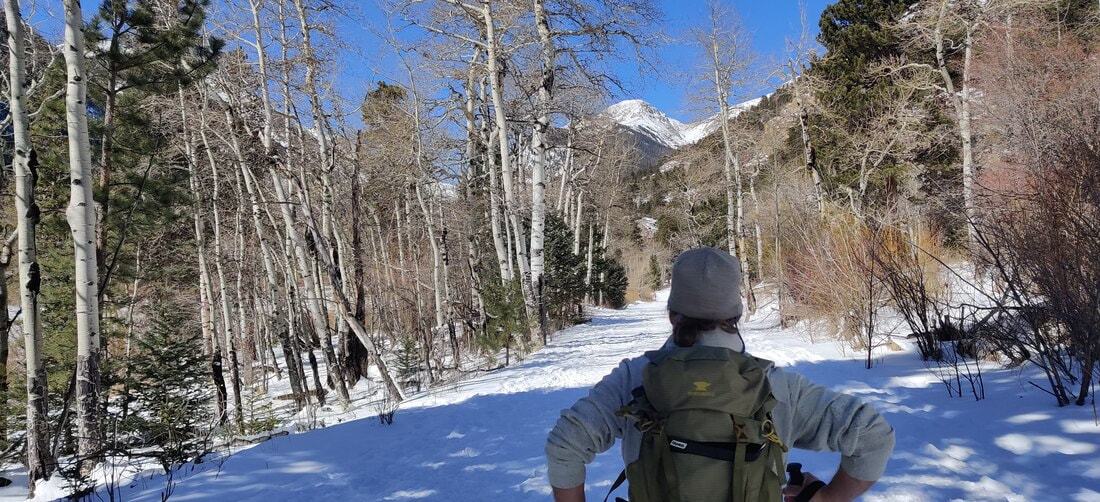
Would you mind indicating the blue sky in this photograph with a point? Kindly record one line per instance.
(770, 23)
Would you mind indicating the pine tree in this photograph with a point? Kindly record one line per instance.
(408, 362)
(504, 310)
(857, 35)
(611, 281)
(654, 276)
(171, 396)
(565, 272)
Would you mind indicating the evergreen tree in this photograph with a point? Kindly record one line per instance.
(171, 396)
(654, 274)
(408, 361)
(858, 35)
(504, 309)
(565, 271)
(610, 281)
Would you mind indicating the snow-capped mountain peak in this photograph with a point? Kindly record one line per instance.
(642, 117)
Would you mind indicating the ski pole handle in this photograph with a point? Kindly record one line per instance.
(794, 469)
(797, 479)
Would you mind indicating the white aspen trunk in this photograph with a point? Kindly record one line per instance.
(967, 139)
(437, 287)
(578, 215)
(290, 279)
(261, 63)
(305, 268)
(588, 268)
(130, 334)
(778, 259)
(219, 270)
(384, 254)
(334, 374)
(606, 228)
(510, 203)
(566, 173)
(756, 222)
(961, 103)
(342, 301)
(448, 299)
(509, 231)
(310, 286)
(400, 238)
(327, 159)
(489, 137)
(24, 163)
(81, 218)
(472, 138)
(275, 290)
(735, 197)
(808, 152)
(287, 331)
(240, 305)
(206, 296)
(539, 147)
(7, 250)
(722, 102)
(567, 210)
(500, 241)
(342, 252)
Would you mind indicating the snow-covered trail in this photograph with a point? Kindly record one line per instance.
(483, 439)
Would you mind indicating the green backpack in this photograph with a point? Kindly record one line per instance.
(705, 415)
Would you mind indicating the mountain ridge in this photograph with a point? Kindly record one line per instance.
(643, 118)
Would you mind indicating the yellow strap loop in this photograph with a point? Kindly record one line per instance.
(768, 428)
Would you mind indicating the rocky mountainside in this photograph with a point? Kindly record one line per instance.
(656, 134)
(645, 119)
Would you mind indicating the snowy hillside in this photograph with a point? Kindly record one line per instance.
(644, 118)
(483, 439)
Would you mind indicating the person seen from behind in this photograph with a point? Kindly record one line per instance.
(702, 420)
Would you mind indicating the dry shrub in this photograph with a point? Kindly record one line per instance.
(1041, 243)
(909, 262)
(636, 261)
(1040, 214)
(830, 272)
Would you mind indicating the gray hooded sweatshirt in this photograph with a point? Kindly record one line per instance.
(807, 416)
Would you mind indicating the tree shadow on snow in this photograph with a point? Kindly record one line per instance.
(489, 447)
(1014, 444)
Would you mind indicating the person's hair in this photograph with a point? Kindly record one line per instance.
(686, 330)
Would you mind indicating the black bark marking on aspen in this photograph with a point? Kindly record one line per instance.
(32, 167)
(34, 278)
(32, 213)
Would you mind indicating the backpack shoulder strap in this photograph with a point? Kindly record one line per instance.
(615, 486)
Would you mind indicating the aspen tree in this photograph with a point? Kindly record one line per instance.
(24, 163)
(81, 218)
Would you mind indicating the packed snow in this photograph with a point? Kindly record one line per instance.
(643, 117)
(483, 438)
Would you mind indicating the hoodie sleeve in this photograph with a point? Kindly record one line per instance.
(587, 429)
(828, 420)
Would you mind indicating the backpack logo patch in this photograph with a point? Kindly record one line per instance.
(701, 389)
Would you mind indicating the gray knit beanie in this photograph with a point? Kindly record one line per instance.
(706, 284)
